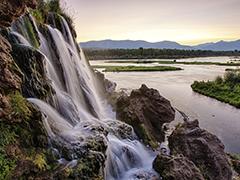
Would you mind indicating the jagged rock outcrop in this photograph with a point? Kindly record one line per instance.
(146, 110)
(176, 168)
(9, 78)
(204, 149)
(10, 10)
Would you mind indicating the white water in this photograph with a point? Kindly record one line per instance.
(78, 105)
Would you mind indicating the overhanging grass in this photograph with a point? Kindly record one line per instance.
(137, 68)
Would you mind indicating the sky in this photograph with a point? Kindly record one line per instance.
(185, 21)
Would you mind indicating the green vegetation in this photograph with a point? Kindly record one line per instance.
(40, 162)
(31, 32)
(225, 89)
(178, 62)
(46, 6)
(19, 106)
(7, 137)
(102, 54)
(233, 70)
(235, 160)
(146, 137)
(137, 68)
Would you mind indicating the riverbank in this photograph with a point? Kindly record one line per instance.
(225, 89)
(137, 68)
(177, 62)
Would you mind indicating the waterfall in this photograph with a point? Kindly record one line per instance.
(78, 105)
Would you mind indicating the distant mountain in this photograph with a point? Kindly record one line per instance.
(220, 46)
(129, 44)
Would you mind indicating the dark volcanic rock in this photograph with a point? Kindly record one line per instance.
(176, 168)
(146, 110)
(205, 150)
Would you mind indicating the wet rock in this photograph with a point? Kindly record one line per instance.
(90, 166)
(109, 86)
(176, 168)
(31, 63)
(204, 149)
(10, 10)
(146, 110)
(145, 175)
(121, 130)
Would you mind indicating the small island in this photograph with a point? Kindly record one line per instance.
(137, 68)
(226, 89)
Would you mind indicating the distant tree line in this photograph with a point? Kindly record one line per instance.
(100, 54)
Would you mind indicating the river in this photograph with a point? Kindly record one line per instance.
(218, 118)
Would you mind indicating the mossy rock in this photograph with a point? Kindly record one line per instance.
(144, 135)
(31, 62)
(29, 31)
(90, 167)
(20, 106)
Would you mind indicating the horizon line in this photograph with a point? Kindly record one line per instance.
(237, 39)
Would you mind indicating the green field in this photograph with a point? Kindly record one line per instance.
(137, 68)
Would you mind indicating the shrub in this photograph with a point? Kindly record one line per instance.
(219, 80)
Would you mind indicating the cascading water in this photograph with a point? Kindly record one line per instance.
(77, 105)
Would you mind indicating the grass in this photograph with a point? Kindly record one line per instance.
(233, 70)
(225, 89)
(178, 62)
(19, 105)
(137, 68)
(7, 137)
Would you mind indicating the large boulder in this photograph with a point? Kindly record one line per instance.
(146, 110)
(204, 149)
(176, 168)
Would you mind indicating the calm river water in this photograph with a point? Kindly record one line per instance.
(219, 118)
